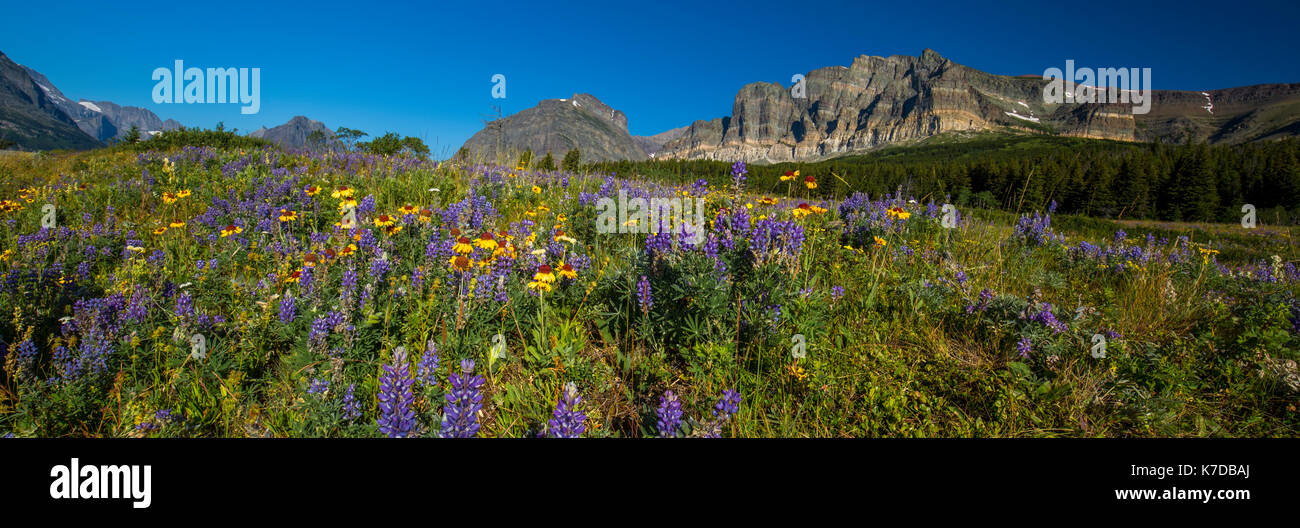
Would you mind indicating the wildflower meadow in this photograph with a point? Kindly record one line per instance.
(253, 292)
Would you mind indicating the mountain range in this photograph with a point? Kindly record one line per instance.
(35, 115)
(874, 102)
(882, 101)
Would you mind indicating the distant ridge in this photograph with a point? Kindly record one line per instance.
(296, 134)
(31, 118)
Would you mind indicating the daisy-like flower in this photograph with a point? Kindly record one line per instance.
(810, 182)
(311, 190)
(183, 193)
(231, 230)
(544, 274)
(486, 241)
(560, 218)
(803, 210)
(169, 197)
(347, 203)
(176, 225)
(426, 215)
(288, 216)
(160, 230)
(408, 209)
(818, 210)
(537, 190)
(393, 230)
(293, 277)
(899, 213)
(460, 263)
(309, 260)
(567, 271)
(789, 175)
(343, 191)
(880, 242)
(463, 246)
(384, 220)
(347, 251)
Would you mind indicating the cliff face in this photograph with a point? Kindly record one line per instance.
(559, 125)
(882, 101)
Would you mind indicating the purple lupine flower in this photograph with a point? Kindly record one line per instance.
(348, 284)
(643, 296)
(1045, 316)
(287, 308)
(305, 279)
(567, 420)
(184, 305)
(985, 296)
(351, 411)
(670, 415)
(379, 268)
(318, 386)
(137, 310)
(738, 172)
(727, 406)
(837, 292)
(396, 419)
(428, 368)
(1024, 347)
(320, 329)
(460, 414)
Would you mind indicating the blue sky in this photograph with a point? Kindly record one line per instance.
(424, 69)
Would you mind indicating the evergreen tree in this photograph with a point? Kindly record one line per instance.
(547, 163)
(571, 160)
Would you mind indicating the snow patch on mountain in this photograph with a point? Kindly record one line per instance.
(1026, 118)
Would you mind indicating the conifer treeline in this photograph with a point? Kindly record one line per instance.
(1104, 179)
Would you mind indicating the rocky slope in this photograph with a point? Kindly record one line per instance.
(296, 133)
(31, 118)
(653, 144)
(558, 125)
